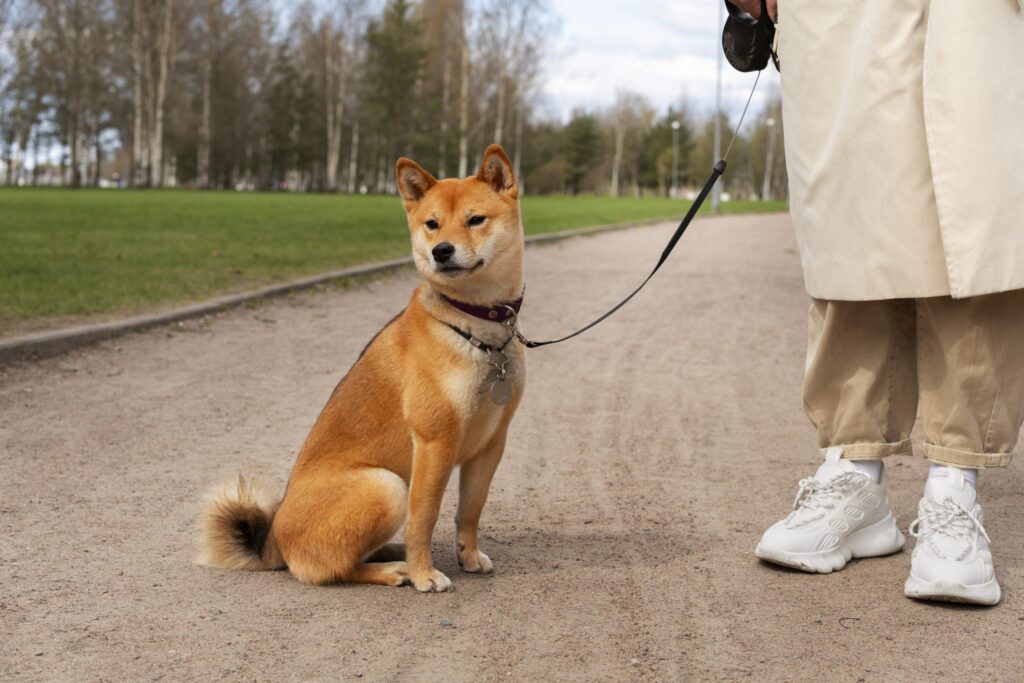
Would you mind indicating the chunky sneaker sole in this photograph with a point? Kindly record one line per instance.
(952, 561)
(987, 593)
(877, 540)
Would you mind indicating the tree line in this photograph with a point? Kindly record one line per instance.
(324, 96)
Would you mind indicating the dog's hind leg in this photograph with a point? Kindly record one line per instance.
(327, 527)
(379, 573)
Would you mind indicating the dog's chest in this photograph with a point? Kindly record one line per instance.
(469, 387)
(469, 390)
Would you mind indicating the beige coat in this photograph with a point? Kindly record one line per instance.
(904, 126)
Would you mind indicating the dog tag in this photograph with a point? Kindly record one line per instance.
(501, 392)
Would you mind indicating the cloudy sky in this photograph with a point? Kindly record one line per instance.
(662, 49)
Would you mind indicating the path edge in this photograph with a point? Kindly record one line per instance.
(41, 345)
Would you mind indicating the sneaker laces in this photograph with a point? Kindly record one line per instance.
(949, 519)
(817, 495)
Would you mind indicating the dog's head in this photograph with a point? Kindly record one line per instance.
(467, 237)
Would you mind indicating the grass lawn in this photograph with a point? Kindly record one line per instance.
(71, 253)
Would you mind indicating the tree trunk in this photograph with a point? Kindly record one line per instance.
(9, 148)
(382, 174)
(203, 143)
(499, 121)
(73, 148)
(98, 145)
(335, 86)
(149, 112)
(35, 158)
(620, 140)
(766, 188)
(157, 139)
(74, 102)
(28, 134)
(769, 165)
(266, 166)
(517, 160)
(464, 114)
(9, 164)
(138, 112)
(330, 98)
(446, 86)
(353, 158)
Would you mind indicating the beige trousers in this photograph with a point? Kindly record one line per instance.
(871, 365)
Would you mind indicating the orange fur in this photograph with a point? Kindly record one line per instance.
(413, 408)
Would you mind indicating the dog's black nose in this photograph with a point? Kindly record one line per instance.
(442, 252)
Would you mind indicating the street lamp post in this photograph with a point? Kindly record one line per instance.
(675, 158)
(716, 191)
(769, 161)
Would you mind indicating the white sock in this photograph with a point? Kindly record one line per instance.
(970, 475)
(872, 468)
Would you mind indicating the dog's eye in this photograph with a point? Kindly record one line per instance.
(432, 224)
(477, 220)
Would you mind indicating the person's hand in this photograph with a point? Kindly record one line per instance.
(753, 8)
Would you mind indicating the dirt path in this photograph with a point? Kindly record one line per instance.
(646, 460)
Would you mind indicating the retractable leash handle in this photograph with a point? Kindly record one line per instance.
(716, 173)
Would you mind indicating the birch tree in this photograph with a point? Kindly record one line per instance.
(139, 35)
(211, 10)
(393, 66)
(20, 94)
(444, 30)
(514, 34)
(64, 33)
(322, 95)
(464, 111)
(627, 117)
(340, 30)
(335, 81)
(156, 137)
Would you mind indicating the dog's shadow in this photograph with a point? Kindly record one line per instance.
(534, 551)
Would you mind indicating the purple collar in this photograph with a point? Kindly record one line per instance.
(496, 314)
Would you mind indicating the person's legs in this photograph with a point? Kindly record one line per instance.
(860, 384)
(860, 392)
(971, 360)
(971, 385)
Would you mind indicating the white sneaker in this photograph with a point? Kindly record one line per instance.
(951, 561)
(838, 514)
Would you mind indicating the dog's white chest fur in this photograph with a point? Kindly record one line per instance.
(468, 389)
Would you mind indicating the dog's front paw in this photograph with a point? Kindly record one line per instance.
(431, 582)
(475, 562)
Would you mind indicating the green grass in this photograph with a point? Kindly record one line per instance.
(76, 253)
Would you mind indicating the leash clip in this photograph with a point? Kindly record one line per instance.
(510, 323)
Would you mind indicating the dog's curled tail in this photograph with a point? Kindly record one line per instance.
(236, 528)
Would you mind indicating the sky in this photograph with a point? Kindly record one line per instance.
(665, 50)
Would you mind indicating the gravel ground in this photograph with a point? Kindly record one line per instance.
(645, 461)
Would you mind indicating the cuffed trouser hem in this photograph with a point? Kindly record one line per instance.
(950, 456)
(873, 451)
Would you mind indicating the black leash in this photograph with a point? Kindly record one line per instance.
(716, 172)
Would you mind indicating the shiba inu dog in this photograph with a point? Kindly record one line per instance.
(434, 390)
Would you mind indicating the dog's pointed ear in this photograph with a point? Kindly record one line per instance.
(496, 171)
(413, 181)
